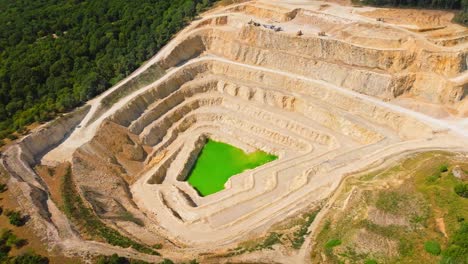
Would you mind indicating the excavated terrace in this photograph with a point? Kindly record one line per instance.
(327, 102)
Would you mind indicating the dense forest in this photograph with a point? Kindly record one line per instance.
(462, 5)
(57, 54)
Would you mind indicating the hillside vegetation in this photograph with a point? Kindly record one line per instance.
(57, 54)
(408, 213)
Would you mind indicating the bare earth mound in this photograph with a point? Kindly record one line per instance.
(327, 88)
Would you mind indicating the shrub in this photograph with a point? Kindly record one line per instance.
(157, 246)
(461, 17)
(4, 250)
(3, 187)
(13, 240)
(12, 137)
(461, 189)
(4, 247)
(114, 259)
(29, 258)
(15, 218)
(333, 243)
(443, 168)
(432, 247)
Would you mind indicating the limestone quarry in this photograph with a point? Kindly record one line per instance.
(331, 90)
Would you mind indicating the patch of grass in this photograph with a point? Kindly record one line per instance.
(399, 233)
(74, 208)
(390, 201)
(370, 261)
(436, 175)
(333, 243)
(461, 189)
(432, 247)
(351, 254)
(390, 231)
(457, 250)
(433, 178)
(405, 247)
(272, 239)
(368, 177)
(299, 235)
(419, 219)
(327, 225)
(443, 198)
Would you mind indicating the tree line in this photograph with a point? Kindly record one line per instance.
(57, 54)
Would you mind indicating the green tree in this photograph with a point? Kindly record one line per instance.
(55, 55)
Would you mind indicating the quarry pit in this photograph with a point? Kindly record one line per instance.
(327, 89)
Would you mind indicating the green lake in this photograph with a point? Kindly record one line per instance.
(218, 161)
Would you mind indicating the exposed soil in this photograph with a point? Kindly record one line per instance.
(418, 17)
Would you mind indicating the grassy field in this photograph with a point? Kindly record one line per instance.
(219, 161)
(408, 213)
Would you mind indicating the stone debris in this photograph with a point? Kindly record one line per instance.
(459, 173)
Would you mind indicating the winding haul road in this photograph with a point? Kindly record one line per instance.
(85, 132)
(88, 126)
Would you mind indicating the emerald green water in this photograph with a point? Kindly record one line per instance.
(219, 161)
